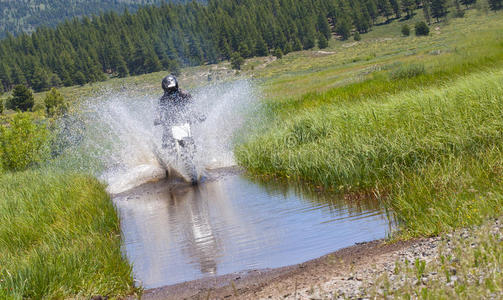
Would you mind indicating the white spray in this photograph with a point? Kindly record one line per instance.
(119, 131)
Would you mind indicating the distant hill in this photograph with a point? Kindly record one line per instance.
(25, 15)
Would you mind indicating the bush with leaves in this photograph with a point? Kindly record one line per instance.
(422, 29)
(405, 30)
(55, 104)
(24, 142)
(1, 106)
(22, 99)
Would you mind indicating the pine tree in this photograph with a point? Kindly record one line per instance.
(243, 50)
(22, 98)
(468, 3)
(55, 81)
(236, 61)
(122, 69)
(18, 76)
(40, 80)
(297, 44)
(278, 53)
(408, 7)
(384, 8)
(495, 4)
(343, 29)
(323, 26)
(67, 79)
(459, 12)
(396, 5)
(322, 41)
(438, 9)
(372, 9)
(426, 10)
(261, 47)
(55, 104)
(5, 77)
(79, 78)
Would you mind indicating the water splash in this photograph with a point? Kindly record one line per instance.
(118, 132)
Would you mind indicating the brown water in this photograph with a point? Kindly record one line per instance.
(176, 234)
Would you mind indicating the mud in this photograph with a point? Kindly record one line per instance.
(286, 282)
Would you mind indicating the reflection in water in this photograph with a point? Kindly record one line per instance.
(177, 234)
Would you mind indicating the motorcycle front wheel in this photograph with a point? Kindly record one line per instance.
(188, 153)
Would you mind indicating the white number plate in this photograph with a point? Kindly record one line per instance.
(181, 131)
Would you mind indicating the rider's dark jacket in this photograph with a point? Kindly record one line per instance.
(174, 107)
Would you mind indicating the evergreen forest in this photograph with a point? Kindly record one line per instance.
(166, 37)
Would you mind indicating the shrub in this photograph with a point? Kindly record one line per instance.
(23, 142)
(1, 106)
(55, 104)
(38, 107)
(357, 36)
(236, 61)
(406, 30)
(422, 29)
(22, 99)
(407, 71)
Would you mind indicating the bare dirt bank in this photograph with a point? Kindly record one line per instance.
(343, 271)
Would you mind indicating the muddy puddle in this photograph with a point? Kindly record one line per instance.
(174, 233)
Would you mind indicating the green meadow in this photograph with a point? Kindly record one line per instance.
(416, 122)
(420, 128)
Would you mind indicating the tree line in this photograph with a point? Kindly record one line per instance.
(26, 15)
(165, 37)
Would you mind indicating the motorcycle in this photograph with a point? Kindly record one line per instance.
(181, 152)
(185, 149)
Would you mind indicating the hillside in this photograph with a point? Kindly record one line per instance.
(26, 15)
(411, 123)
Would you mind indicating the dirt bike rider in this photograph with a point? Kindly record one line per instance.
(173, 108)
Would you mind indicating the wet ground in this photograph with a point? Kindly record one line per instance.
(174, 233)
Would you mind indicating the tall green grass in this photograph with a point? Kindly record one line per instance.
(382, 145)
(59, 238)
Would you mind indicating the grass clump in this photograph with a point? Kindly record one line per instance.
(407, 71)
(466, 268)
(385, 145)
(59, 238)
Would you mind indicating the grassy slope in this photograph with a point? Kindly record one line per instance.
(404, 139)
(59, 237)
(300, 73)
(301, 85)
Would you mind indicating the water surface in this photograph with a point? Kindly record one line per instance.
(172, 235)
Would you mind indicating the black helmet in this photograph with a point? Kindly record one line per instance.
(170, 84)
